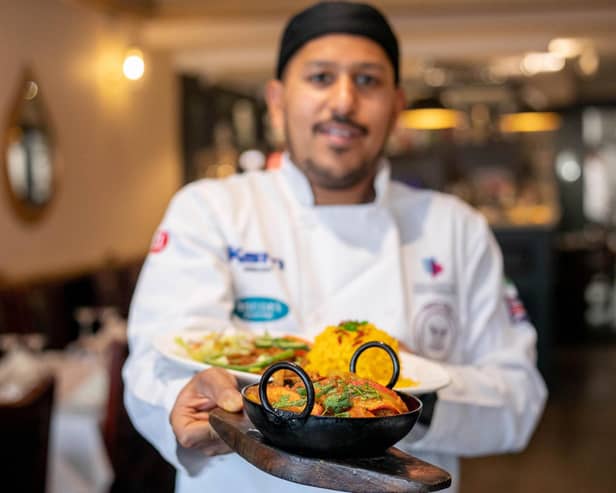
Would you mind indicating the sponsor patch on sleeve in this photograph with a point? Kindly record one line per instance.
(159, 242)
(515, 307)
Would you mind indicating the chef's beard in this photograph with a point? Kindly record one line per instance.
(324, 177)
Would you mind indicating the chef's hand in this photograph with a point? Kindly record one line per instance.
(404, 347)
(189, 417)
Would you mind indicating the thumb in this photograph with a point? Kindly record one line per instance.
(220, 386)
(230, 400)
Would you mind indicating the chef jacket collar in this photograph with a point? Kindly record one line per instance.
(300, 186)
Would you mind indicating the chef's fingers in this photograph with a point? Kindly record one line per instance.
(197, 434)
(404, 347)
(193, 433)
(189, 417)
(204, 404)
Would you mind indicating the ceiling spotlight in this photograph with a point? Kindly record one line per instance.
(134, 65)
(568, 168)
(588, 62)
(536, 62)
(567, 47)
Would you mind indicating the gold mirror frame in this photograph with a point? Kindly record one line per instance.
(26, 209)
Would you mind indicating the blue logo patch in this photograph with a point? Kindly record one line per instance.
(260, 309)
(256, 261)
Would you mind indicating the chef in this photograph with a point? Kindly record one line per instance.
(330, 237)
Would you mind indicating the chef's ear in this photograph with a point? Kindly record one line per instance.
(274, 97)
(400, 99)
(399, 104)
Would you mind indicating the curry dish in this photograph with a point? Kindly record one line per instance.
(346, 396)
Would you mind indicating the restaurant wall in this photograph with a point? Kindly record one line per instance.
(117, 138)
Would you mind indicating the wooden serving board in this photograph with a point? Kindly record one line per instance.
(394, 471)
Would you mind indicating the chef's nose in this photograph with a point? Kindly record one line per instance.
(344, 96)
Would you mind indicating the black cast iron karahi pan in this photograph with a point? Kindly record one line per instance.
(327, 436)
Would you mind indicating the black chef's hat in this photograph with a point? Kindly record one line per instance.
(337, 17)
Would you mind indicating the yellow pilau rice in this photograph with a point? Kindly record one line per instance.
(333, 348)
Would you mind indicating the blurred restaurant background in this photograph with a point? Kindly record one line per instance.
(107, 107)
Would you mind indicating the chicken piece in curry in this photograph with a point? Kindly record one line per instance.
(346, 396)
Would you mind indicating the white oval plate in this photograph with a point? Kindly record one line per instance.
(430, 375)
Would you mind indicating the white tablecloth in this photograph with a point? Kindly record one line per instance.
(78, 461)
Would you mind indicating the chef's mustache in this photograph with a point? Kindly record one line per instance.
(317, 127)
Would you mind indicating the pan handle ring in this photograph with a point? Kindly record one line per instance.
(385, 347)
(301, 373)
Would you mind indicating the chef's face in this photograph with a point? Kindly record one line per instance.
(337, 103)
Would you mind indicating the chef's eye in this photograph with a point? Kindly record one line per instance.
(321, 78)
(366, 80)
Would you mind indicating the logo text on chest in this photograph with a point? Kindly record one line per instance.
(254, 261)
(259, 309)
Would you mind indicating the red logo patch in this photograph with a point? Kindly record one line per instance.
(161, 238)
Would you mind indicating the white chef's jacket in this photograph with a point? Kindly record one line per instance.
(255, 251)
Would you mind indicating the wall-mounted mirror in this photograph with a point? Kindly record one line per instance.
(29, 154)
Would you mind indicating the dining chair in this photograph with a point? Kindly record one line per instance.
(137, 466)
(24, 428)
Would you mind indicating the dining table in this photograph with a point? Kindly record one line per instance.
(77, 460)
